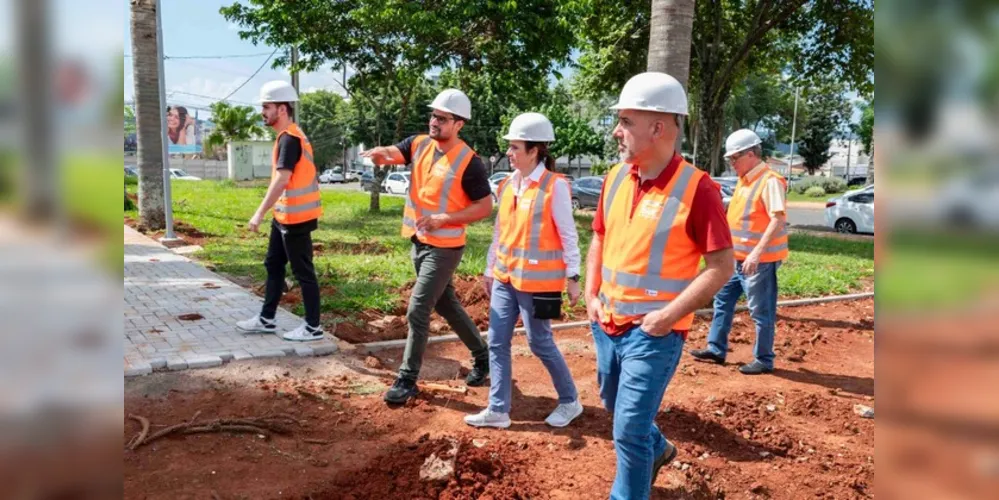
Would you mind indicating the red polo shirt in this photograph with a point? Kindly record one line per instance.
(707, 224)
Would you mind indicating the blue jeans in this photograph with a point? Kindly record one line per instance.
(633, 370)
(504, 307)
(761, 296)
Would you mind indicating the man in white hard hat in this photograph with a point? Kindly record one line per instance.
(449, 190)
(757, 217)
(657, 217)
(294, 195)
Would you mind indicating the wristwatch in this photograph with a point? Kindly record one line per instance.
(574, 277)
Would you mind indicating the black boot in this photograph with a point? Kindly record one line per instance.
(401, 391)
(480, 372)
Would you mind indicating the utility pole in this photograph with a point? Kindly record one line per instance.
(169, 236)
(794, 124)
(294, 75)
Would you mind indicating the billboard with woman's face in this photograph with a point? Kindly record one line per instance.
(183, 131)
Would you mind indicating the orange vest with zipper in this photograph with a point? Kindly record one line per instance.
(748, 218)
(648, 258)
(529, 254)
(436, 189)
(301, 200)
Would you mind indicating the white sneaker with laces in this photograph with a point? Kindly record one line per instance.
(564, 414)
(257, 324)
(304, 333)
(489, 418)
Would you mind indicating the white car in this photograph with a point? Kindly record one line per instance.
(971, 201)
(397, 183)
(180, 175)
(853, 212)
(330, 176)
(496, 179)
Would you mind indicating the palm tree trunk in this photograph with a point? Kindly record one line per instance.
(148, 115)
(670, 36)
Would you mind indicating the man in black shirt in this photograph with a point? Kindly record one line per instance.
(437, 211)
(294, 195)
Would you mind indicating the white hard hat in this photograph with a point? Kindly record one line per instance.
(653, 91)
(455, 102)
(533, 127)
(741, 140)
(278, 91)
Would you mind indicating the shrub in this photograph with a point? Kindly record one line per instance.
(815, 192)
(833, 184)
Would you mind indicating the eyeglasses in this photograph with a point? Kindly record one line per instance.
(440, 119)
(734, 158)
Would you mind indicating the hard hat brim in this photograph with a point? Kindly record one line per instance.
(509, 137)
(620, 106)
(729, 154)
(446, 110)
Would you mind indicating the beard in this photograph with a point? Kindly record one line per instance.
(270, 120)
(435, 133)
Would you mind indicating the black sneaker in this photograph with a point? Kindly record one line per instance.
(668, 455)
(755, 368)
(480, 372)
(707, 356)
(402, 390)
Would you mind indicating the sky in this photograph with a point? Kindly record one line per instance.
(195, 28)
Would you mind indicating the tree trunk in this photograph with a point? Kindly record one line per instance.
(40, 183)
(672, 23)
(710, 139)
(148, 115)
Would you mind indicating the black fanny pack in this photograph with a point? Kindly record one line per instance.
(548, 305)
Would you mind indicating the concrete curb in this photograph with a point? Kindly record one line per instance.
(371, 347)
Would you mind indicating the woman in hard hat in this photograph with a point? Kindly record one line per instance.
(533, 257)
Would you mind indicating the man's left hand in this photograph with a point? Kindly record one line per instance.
(254, 224)
(430, 222)
(751, 264)
(657, 323)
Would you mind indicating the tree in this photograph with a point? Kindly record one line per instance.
(865, 129)
(149, 114)
(232, 123)
(129, 117)
(827, 111)
(800, 38)
(391, 44)
(323, 116)
(671, 24)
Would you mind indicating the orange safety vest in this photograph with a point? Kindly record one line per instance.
(748, 218)
(301, 201)
(436, 189)
(648, 258)
(529, 254)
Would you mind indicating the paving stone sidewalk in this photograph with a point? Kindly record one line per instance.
(161, 287)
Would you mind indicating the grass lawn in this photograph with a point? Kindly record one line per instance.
(792, 196)
(366, 261)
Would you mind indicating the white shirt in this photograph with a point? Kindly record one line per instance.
(565, 224)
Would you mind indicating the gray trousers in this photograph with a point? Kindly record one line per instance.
(434, 291)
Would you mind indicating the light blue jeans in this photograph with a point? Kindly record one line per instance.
(633, 370)
(504, 307)
(761, 297)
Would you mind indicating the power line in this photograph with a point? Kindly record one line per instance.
(252, 76)
(207, 97)
(229, 56)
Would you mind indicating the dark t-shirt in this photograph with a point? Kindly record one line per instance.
(475, 180)
(289, 151)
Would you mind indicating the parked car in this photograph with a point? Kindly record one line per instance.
(330, 176)
(131, 172)
(726, 181)
(970, 201)
(397, 183)
(353, 175)
(852, 212)
(857, 182)
(180, 175)
(727, 192)
(586, 192)
(367, 181)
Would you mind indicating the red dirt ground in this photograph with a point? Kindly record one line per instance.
(790, 435)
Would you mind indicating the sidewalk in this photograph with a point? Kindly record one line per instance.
(161, 287)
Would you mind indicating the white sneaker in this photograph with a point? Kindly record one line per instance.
(489, 418)
(564, 414)
(304, 333)
(257, 324)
